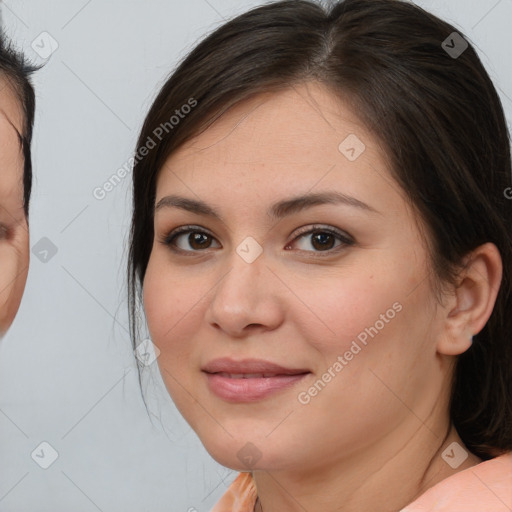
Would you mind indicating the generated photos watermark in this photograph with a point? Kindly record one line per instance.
(158, 133)
(357, 345)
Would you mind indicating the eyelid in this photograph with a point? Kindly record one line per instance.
(345, 239)
(168, 239)
(185, 229)
(310, 228)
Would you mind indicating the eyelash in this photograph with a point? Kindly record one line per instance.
(169, 240)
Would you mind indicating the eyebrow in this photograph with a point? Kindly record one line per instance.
(277, 211)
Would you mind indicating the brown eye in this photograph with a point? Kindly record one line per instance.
(196, 240)
(199, 240)
(322, 240)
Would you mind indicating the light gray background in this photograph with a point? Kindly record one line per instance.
(67, 373)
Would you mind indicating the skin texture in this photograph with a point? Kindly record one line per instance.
(14, 236)
(371, 439)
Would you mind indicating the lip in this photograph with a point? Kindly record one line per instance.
(249, 380)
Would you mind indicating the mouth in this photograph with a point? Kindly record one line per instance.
(249, 380)
(249, 368)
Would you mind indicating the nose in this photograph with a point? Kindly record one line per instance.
(246, 299)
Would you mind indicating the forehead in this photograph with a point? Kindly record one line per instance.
(284, 125)
(289, 141)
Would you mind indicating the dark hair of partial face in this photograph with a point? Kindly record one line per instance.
(16, 70)
(439, 118)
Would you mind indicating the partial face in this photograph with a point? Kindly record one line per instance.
(14, 239)
(287, 324)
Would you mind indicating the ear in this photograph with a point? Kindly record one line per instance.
(471, 305)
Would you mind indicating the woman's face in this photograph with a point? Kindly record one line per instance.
(14, 238)
(291, 330)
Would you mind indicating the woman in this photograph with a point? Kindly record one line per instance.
(321, 240)
(17, 105)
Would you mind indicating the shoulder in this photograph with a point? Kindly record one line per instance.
(486, 486)
(240, 496)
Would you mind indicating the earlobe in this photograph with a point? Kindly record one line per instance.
(453, 343)
(474, 297)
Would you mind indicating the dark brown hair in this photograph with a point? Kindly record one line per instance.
(16, 70)
(438, 116)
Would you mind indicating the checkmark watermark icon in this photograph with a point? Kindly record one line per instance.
(147, 352)
(249, 250)
(249, 455)
(454, 455)
(44, 250)
(454, 45)
(352, 147)
(44, 455)
(45, 45)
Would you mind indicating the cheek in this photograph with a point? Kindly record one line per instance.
(13, 276)
(174, 314)
(352, 308)
(12, 285)
(8, 285)
(171, 305)
(372, 327)
(381, 342)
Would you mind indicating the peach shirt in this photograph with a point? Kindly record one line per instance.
(486, 487)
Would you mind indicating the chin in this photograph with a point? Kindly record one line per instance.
(249, 458)
(247, 453)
